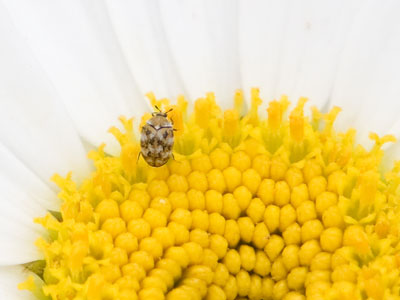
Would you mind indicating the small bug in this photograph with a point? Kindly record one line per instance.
(157, 139)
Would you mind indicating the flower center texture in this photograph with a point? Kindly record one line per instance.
(250, 206)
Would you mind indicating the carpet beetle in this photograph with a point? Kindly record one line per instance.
(157, 139)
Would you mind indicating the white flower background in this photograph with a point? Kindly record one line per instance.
(68, 69)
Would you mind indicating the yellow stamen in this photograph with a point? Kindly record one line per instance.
(29, 284)
(176, 116)
(274, 115)
(255, 103)
(238, 100)
(203, 108)
(297, 121)
(231, 119)
(368, 187)
(157, 103)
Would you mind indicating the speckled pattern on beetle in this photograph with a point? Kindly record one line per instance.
(157, 140)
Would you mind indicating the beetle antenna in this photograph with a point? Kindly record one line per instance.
(171, 109)
(157, 108)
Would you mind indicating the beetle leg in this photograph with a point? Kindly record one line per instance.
(173, 157)
(140, 153)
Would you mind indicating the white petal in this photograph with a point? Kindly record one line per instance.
(20, 175)
(202, 38)
(34, 125)
(137, 27)
(367, 80)
(10, 277)
(293, 47)
(262, 25)
(313, 38)
(17, 230)
(75, 44)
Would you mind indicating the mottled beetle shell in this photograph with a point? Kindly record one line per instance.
(157, 140)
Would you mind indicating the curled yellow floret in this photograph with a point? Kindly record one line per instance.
(248, 208)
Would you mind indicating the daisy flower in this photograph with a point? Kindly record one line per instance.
(262, 199)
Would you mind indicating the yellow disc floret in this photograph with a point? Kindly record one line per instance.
(247, 208)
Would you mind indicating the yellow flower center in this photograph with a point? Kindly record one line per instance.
(282, 208)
